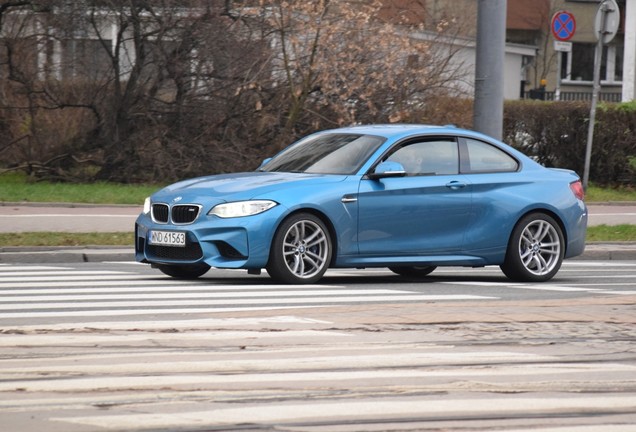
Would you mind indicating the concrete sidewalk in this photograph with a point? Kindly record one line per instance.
(77, 218)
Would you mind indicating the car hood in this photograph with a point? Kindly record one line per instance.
(240, 186)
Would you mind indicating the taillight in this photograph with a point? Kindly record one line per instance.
(577, 189)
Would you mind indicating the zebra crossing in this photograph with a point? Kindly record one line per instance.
(57, 292)
(50, 292)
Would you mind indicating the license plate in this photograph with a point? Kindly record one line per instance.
(167, 238)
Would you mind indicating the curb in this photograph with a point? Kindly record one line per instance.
(618, 251)
(65, 255)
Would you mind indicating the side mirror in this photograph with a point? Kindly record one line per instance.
(387, 169)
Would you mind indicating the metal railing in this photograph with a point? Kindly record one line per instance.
(572, 96)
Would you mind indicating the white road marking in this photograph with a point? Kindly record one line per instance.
(126, 312)
(177, 324)
(86, 277)
(621, 292)
(10, 267)
(98, 339)
(260, 301)
(539, 287)
(141, 381)
(597, 264)
(509, 364)
(10, 275)
(417, 407)
(148, 281)
(198, 295)
(173, 286)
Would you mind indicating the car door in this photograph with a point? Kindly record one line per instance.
(499, 194)
(424, 212)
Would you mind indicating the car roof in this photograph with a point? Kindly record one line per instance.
(397, 131)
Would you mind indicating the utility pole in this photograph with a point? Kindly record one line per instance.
(489, 67)
(605, 27)
(629, 58)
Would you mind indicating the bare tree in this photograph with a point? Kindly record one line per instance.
(347, 57)
(132, 90)
(132, 78)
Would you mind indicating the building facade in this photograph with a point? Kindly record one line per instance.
(533, 68)
(568, 74)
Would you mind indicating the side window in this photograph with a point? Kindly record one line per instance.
(428, 157)
(481, 157)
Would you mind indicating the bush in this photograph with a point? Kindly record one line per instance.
(555, 134)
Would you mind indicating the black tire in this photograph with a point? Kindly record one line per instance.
(301, 250)
(535, 249)
(413, 272)
(191, 271)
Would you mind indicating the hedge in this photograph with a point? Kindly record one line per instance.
(555, 134)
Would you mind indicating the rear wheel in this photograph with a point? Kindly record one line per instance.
(413, 272)
(191, 271)
(535, 250)
(301, 250)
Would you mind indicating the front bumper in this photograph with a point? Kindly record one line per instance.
(577, 232)
(223, 243)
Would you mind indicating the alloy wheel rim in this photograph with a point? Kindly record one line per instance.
(539, 247)
(305, 249)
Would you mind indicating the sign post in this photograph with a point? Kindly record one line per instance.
(563, 26)
(605, 27)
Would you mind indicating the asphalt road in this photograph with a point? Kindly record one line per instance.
(119, 347)
(37, 218)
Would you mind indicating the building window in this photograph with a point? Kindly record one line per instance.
(578, 66)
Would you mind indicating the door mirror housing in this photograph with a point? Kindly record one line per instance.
(387, 169)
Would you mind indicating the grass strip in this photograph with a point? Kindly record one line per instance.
(67, 239)
(620, 194)
(17, 188)
(611, 233)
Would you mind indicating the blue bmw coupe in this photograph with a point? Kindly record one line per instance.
(407, 197)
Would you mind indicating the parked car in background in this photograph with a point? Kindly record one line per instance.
(407, 197)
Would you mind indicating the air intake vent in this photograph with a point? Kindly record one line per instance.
(191, 252)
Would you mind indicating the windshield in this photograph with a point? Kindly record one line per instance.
(326, 154)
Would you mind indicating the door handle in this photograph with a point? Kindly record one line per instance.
(456, 185)
(349, 199)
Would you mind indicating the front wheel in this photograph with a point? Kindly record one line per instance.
(535, 249)
(301, 250)
(191, 271)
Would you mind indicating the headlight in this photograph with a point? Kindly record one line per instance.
(147, 206)
(242, 208)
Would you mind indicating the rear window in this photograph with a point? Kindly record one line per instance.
(481, 157)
